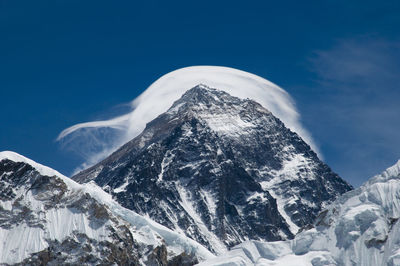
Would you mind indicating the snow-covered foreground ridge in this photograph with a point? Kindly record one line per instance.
(360, 228)
(42, 210)
(158, 97)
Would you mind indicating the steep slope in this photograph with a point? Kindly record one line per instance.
(220, 169)
(47, 218)
(360, 228)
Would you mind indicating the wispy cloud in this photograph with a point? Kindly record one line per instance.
(358, 82)
(364, 61)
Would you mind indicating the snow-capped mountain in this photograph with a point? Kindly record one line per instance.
(221, 170)
(361, 227)
(49, 219)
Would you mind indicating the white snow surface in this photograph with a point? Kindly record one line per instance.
(361, 227)
(186, 203)
(160, 95)
(18, 242)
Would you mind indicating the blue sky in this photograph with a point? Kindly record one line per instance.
(66, 62)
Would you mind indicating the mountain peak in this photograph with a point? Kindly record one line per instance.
(203, 94)
(223, 113)
(15, 157)
(393, 171)
(201, 87)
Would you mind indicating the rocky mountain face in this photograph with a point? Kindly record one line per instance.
(48, 219)
(361, 227)
(221, 170)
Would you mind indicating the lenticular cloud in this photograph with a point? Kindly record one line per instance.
(95, 140)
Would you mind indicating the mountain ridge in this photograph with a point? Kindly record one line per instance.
(47, 218)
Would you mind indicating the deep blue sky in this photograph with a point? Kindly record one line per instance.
(65, 62)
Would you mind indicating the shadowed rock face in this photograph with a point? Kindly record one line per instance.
(221, 170)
